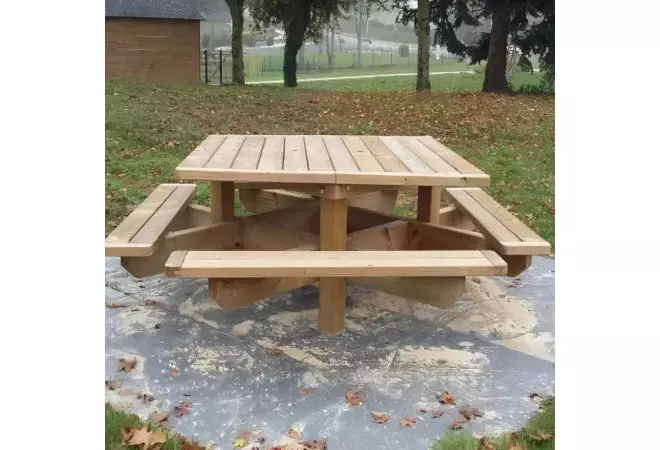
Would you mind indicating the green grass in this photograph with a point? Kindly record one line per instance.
(115, 420)
(151, 128)
(544, 422)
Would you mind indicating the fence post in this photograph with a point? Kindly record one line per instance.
(391, 59)
(206, 66)
(373, 57)
(220, 66)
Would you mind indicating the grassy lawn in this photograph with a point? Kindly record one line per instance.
(150, 128)
(525, 439)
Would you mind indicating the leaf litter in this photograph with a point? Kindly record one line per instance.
(149, 440)
(379, 417)
(353, 398)
(408, 421)
(446, 398)
(126, 365)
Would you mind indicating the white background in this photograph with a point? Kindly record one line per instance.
(52, 224)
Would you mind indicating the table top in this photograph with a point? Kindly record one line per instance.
(324, 159)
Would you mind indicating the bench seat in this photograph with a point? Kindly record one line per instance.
(140, 233)
(503, 231)
(258, 264)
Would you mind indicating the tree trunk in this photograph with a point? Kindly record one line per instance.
(423, 46)
(495, 79)
(327, 46)
(358, 31)
(295, 36)
(237, 69)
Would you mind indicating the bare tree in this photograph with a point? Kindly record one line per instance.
(236, 8)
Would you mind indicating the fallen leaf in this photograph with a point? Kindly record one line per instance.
(127, 364)
(379, 417)
(306, 391)
(294, 433)
(446, 398)
(185, 404)
(470, 413)
(514, 447)
(113, 384)
(179, 411)
(456, 425)
(126, 433)
(142, 436)
(436, 414)
(315, 444)
(485, 444)
(157, 417)
(174, 373)
(409, 421)
(423, 411)
(113, 305)
(535, 396)
(353, 398)
(276, 351)
(238, 443)
(541, 436)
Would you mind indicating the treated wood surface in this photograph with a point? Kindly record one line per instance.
(146, 226)
(503, 230)
(324, 159)
(256, 264)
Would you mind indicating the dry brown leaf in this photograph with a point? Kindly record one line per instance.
(485, 444)
(514, 447)
(174, 372)
(114, 305)
(436, 414)
(470, 413)
(315, 444)
(353, 398)
(276, 351)
(150, 440)
(306, 391)
(409, 421)
(113, 384)
(456, 425)
(379, 417)
(185, 404)
(446, 398)
(294, 434)
(157, 417)
(127, 364)
(541, 436)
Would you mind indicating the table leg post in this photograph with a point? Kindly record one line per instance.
(332, 291)
(428, 204)
(221, 196)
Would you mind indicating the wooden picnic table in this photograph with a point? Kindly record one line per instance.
(322, 237)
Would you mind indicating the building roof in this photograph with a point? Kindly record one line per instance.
(154, 9)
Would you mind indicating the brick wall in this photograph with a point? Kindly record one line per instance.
(160, 50)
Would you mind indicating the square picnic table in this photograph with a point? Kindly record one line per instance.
(322, 237)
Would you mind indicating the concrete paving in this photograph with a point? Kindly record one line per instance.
(491, 349)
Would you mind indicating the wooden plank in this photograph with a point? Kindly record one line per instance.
(383, 154)
(388, 236)
(440, 292)
(132, 224)
(412, 179)
(492, 228)
(317, 155)
(295, 159)
(258, 264)
(515, 225)
(341, 158)
(405, 155)
(249, 154)
(235, 293)
(332, 291)
(221, 197)
(449, 156)
(364, 159)
(159, 223)
(428, 204)
(272, 156)
(496, 228)
(264, 176)
(204, 151)
(224, 157)
(425, 154)
(263, 236)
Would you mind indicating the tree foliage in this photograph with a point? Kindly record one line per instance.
(525, 24)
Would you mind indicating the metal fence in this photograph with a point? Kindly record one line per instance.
(215, 66)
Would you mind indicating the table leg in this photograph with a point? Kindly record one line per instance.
(332, 291)
(428, 204)
(221, 195)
